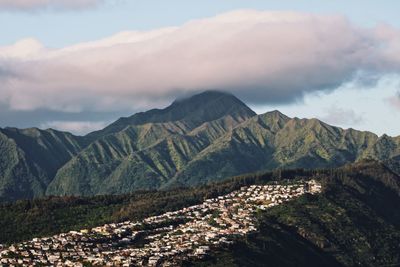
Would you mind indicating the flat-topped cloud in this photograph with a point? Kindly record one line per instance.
(33, 5)
(263, 57)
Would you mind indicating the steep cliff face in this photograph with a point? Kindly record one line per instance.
(30, 158)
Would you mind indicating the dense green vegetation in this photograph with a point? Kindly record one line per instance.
(30, 158)
(354, 222)
(221, 137)
(148, 149)
(205, 138)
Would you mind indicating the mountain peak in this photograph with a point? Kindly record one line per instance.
(274, 120)
(277, 114)
(194, 110)
(207, 106)
(203, 96)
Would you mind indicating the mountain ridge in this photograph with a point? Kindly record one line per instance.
(203, 138)
(194, 107)
(30, 158)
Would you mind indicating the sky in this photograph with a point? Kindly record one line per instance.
(77, 65)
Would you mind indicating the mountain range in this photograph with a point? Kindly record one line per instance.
(205, 138)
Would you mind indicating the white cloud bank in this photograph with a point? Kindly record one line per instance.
(341, 116)
(76, 127)
(263, 57)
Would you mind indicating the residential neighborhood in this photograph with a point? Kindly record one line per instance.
(165, 240)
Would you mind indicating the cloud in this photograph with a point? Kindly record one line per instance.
(33, 5)
(340, 116)
(76, 127)
(395, 101)
(262, 57)
(23, 50)
(45, 118)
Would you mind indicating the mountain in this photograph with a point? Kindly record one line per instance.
(152, 146)
(272, 140)
(192, 111)
(196, 140)
(30, 158)
(174, 155)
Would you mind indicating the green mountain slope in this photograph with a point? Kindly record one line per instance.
(221, 138)
(194, 111)
(206, 137)
(30, 158)
(354, 222)
(273, 140)
(151, 153)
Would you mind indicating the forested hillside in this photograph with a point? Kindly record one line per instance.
(354, 222)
